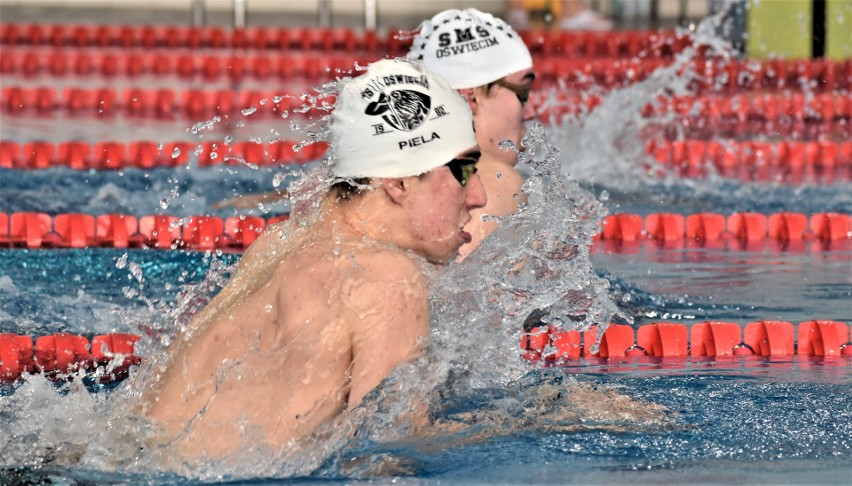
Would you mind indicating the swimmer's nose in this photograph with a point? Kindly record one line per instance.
(476, 197)
(528, 112)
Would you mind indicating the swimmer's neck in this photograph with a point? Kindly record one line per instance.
(503, 159)
(368, 217)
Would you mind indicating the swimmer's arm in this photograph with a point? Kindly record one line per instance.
(393, 322)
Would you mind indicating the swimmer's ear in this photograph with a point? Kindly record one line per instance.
(395, 188)
(469, 94)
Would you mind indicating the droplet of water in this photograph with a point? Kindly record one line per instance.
(164, 203)
(250, 110)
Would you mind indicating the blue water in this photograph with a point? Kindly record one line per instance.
(786, 421)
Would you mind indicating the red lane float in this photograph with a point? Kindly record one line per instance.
(673, 341)
(147, 154)
(625, 43)
(706, 229)
(160, 103)
(110, 357)
(620, 232)
(63, 356)
(786, 161)
(577, 71)
(39, 230)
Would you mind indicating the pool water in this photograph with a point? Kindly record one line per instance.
(736, 421)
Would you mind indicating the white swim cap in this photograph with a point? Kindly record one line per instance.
(470, 48)
(398, 120)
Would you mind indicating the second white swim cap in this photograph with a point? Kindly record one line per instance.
(470, 48)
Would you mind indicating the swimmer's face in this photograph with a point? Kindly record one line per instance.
(499, 113)
(440, 207)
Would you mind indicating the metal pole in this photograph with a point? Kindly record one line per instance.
(198, 13)
(325, 13)
(370, 15)
(239, 14)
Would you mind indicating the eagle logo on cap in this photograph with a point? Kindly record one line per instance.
(402, 109)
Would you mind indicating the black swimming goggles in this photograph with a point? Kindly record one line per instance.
(522, 91)
(464, 167)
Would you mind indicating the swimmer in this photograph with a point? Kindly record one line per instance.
(344, 300)
(487, 62)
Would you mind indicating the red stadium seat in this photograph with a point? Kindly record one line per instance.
(28, 229)
(242, 231)
(116, 230)
(159, 231)
(74, 230)
(203, 232)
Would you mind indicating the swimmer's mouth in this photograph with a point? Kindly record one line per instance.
(465, 236)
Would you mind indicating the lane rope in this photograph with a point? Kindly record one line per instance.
(109, 357)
